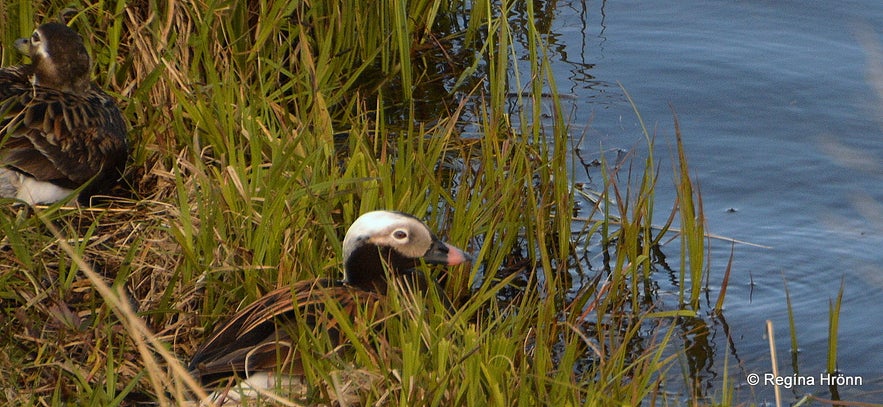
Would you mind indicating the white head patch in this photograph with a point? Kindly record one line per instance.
(407, 235)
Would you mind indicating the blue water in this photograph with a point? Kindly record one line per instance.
(784, 133)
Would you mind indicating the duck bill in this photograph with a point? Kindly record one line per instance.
(23, 45)
(443, 253)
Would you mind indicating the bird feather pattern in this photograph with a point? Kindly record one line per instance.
(251, 340)
(59, 137)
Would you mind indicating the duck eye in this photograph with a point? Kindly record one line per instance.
(35, 38)
(400, 234)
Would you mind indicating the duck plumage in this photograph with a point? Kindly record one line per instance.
(262, 336)
(58, 128)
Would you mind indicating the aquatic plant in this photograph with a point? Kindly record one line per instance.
(262, 129)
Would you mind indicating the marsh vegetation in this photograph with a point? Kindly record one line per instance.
(260, 130)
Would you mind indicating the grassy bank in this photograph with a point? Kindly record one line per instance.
(261, 130)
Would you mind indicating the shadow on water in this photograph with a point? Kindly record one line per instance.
(813, 202)
(577, 37)
(590, 271)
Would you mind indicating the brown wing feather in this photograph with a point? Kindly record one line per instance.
(263, 336)
(60, 137)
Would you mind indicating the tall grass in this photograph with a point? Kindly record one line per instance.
(260, 131)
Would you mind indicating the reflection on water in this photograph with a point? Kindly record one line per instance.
(780, 107)
(781, 110)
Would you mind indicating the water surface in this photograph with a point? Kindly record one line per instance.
(782, 127)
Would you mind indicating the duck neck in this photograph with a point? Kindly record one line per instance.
(366, 267)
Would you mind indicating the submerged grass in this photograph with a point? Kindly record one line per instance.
(260, 131)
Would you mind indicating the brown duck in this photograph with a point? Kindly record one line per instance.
(261, 338)
(58, 130)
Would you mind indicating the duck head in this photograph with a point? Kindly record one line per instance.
(58, 58)
(383, 239)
